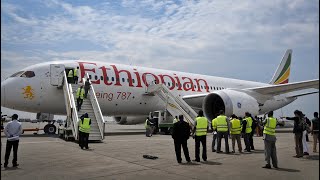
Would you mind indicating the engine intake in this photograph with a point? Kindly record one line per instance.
(231, 102)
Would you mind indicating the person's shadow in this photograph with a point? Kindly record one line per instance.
(211, 163)
(286, 169)
(312, 157)
(11, 168)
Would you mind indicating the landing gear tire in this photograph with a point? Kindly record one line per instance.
(50, 129)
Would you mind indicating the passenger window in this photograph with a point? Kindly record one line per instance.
(17, 74)
(132, 80)
(96, 77)
(123, 80)
(90, 77)
(28, 74)
(102, 78)
(112, 78)
(201, 87)
(107, 78)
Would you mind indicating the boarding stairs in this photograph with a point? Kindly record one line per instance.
(174, 104)
(90, 105)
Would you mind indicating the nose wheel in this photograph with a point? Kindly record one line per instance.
(50, 129)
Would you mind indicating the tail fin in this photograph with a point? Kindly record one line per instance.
(281, 76)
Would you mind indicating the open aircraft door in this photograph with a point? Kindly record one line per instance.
(56, 74)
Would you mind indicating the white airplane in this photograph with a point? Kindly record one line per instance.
(120, 90)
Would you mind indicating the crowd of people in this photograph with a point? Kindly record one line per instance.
(237, 128)
(222, 126)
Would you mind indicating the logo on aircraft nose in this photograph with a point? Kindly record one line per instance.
(28, 92)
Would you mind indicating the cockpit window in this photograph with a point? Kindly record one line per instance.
(17, 74)
(28, 74)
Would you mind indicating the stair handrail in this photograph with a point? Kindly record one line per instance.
(96, 107)
(182, 105)
(75, 118)
(70, 107)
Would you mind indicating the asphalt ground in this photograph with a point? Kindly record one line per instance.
(121, 157)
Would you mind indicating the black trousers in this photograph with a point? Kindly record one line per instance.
(75, 78)
(86, 92)
(15, 145)
(83, 140)
(225, 136)
(177, 147)
(203, 140)
(79, 103)
(251, 140)
(246, 139)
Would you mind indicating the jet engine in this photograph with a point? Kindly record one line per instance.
(231, 102)
(129, 120)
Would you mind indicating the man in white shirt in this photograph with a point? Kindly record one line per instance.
(12, 130)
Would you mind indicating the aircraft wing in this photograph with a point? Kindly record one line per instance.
(274, 90)
(261, 93)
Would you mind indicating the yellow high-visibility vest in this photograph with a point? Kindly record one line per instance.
(146, 123)
(75, 72)
(202, 125)
(175, 120)
(249, 124)
(235, 126)
(85, 126)
(80, 94)
(270, 127)
(222, 125)
(214, 123)
(70, 74)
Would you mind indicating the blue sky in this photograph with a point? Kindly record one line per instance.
(236, 39)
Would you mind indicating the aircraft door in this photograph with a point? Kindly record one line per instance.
(56, 74)
(150, 80)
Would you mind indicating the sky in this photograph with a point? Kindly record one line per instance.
(229, 38)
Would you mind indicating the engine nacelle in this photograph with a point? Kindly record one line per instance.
(232, 102)
(128, 120)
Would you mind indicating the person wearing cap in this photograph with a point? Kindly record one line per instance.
(12, 131)
(84, 130)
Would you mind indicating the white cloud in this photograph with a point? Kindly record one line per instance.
(166, 34)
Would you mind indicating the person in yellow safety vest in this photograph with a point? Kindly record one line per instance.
(221, 126)
(214, 137)
(84, 130)
(76, 75)
(148, 127)
(269, 136)
(200, 135)
(235, 131)
(70, 76)
(246, 129)
(175, 119)
(79, 96)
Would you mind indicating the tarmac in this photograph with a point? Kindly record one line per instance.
(121, 157)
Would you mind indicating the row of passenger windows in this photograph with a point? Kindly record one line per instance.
(166, 83)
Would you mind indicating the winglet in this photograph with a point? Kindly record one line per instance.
(281, 76)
